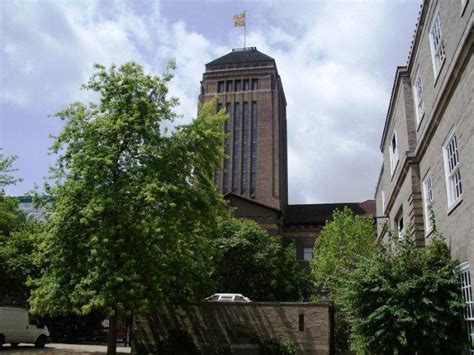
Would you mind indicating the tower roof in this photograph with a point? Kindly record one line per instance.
(242, 55)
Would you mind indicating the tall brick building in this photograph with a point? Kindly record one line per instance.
(254, 174)
(250, 89)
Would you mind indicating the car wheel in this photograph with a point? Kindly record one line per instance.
(2, 340)
(14, 345)
(40, 342)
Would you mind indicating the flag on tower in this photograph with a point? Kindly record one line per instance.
(239, 20)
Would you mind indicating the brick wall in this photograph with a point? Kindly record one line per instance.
(240, 324)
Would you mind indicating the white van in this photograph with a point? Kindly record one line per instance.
(16, 327)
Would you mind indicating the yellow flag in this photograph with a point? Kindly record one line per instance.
(239, 20)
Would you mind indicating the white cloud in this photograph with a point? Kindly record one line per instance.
(328, 55)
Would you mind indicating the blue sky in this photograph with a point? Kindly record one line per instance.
(336, 59)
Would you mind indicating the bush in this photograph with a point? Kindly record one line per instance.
(407, 299)
(275, 346)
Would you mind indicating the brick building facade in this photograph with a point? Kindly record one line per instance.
(428, 139)
(254, 174)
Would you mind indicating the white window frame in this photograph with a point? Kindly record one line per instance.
(467, 295)
(393, 152)
(428, 202)
(438, 51)
(452, 170)
(418, 96)
(307, 256)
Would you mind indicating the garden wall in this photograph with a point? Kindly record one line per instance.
(240, 325)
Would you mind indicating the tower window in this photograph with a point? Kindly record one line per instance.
(253, 148)
(227, 148)
(245, 147)
(254, 84)
(235, 155)
(237, 85)
(229, 85)
(246, 84)
(307, 254)
(220, 86)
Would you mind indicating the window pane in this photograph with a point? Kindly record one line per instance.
(220, 86)
(254, 84)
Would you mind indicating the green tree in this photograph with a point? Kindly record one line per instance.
(133, 204)
(250, 261)
(344, 242)
(407, 298)
(17, 237)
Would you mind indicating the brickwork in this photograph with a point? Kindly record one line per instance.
(241, 325)
(271, 158)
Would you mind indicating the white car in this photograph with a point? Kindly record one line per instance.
(16, 327)
(227, 297)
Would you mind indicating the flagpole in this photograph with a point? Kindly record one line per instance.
(245, 27)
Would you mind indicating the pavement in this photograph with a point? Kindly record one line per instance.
(60, 349)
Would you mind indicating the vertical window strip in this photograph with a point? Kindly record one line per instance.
(227, 123)
(217, 175)
(236, 146)
(253, 147)
(245, 147)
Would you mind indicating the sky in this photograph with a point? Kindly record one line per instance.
(336, 58)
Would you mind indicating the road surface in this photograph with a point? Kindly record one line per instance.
(60, 349)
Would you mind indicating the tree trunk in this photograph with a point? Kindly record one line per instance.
(112, 336)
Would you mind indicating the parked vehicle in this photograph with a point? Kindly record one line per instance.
(16, 326)
(227, 297)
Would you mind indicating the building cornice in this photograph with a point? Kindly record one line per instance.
(401, 71)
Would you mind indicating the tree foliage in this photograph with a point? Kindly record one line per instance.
(133, 204)
(344, 241)
(407, 298)
(16, 237)
(251, 262)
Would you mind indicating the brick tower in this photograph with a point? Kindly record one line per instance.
(247, 85)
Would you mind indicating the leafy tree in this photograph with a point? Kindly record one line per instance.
(16, 236)
(407, 298)
(344, 242)
(250, 261)
(133, 204)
